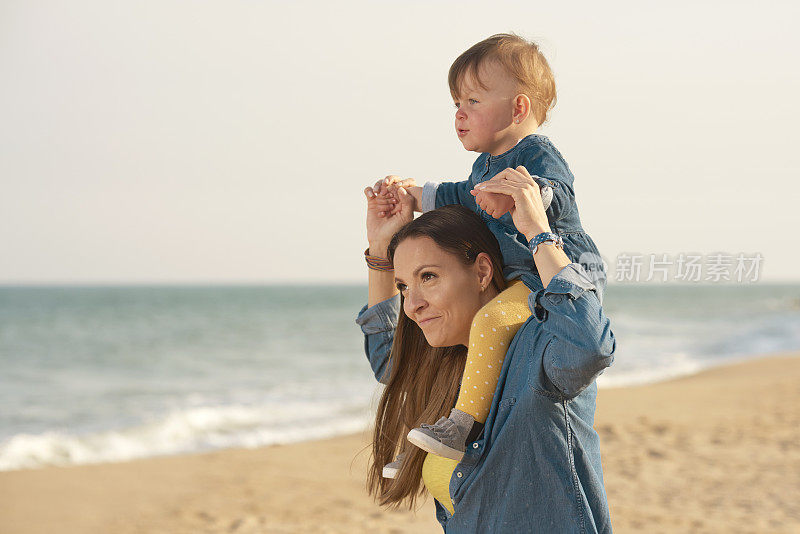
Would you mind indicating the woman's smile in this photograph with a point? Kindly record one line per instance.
(427, 321)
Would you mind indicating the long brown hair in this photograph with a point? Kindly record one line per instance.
(423, 380)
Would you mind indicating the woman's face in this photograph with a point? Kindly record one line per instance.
(440, 293)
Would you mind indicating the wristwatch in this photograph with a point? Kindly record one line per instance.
(544, 237)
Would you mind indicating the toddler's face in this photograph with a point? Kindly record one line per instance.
(485, 116)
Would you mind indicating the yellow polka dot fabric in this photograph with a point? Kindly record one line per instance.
(436, 474)
(493, 328)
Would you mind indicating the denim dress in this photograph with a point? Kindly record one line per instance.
(546, 164)
(536, 465)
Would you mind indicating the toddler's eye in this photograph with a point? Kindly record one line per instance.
(455, 105)
(473, 101)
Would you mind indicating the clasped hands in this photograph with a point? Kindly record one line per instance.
(495, 204)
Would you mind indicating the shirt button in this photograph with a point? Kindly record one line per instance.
(459, 474)
(474, 445)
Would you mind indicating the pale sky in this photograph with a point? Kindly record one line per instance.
(193, 142)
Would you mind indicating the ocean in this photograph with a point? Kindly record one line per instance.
(113, 373)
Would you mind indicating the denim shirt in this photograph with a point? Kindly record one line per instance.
(536, 465)
(546, 164)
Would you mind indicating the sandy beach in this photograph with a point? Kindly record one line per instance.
(714, 452)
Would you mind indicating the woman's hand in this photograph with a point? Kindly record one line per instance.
(382, 224)
(529, 217)
(528, 213)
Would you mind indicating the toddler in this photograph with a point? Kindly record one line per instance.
(503, 89)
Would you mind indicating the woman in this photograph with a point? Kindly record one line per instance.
(536, 464)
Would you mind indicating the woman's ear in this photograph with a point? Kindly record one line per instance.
(484, 269)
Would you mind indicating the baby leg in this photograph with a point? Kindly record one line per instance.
(494, 327)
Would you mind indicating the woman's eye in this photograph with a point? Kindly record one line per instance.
(424, 276)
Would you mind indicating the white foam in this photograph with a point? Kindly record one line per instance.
(189, 430)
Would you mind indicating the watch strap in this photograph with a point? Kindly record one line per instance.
(544, 237)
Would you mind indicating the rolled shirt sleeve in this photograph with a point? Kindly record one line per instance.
(582, 344)
(545, 190)
(548, 168)
(428, 196)
(378, 324)
(561, 201)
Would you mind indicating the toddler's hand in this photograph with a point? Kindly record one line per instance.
(385, 202)
(495, 204)
(387, 191)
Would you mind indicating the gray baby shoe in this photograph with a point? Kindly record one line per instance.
(391, 469)
(447, 437)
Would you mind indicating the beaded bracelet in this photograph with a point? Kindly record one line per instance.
(377, 263)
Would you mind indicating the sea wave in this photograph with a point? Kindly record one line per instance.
(184, 431)
(113, 374)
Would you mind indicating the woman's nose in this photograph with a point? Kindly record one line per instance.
(413, 303)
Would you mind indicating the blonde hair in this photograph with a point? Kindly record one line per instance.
(521, 59)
